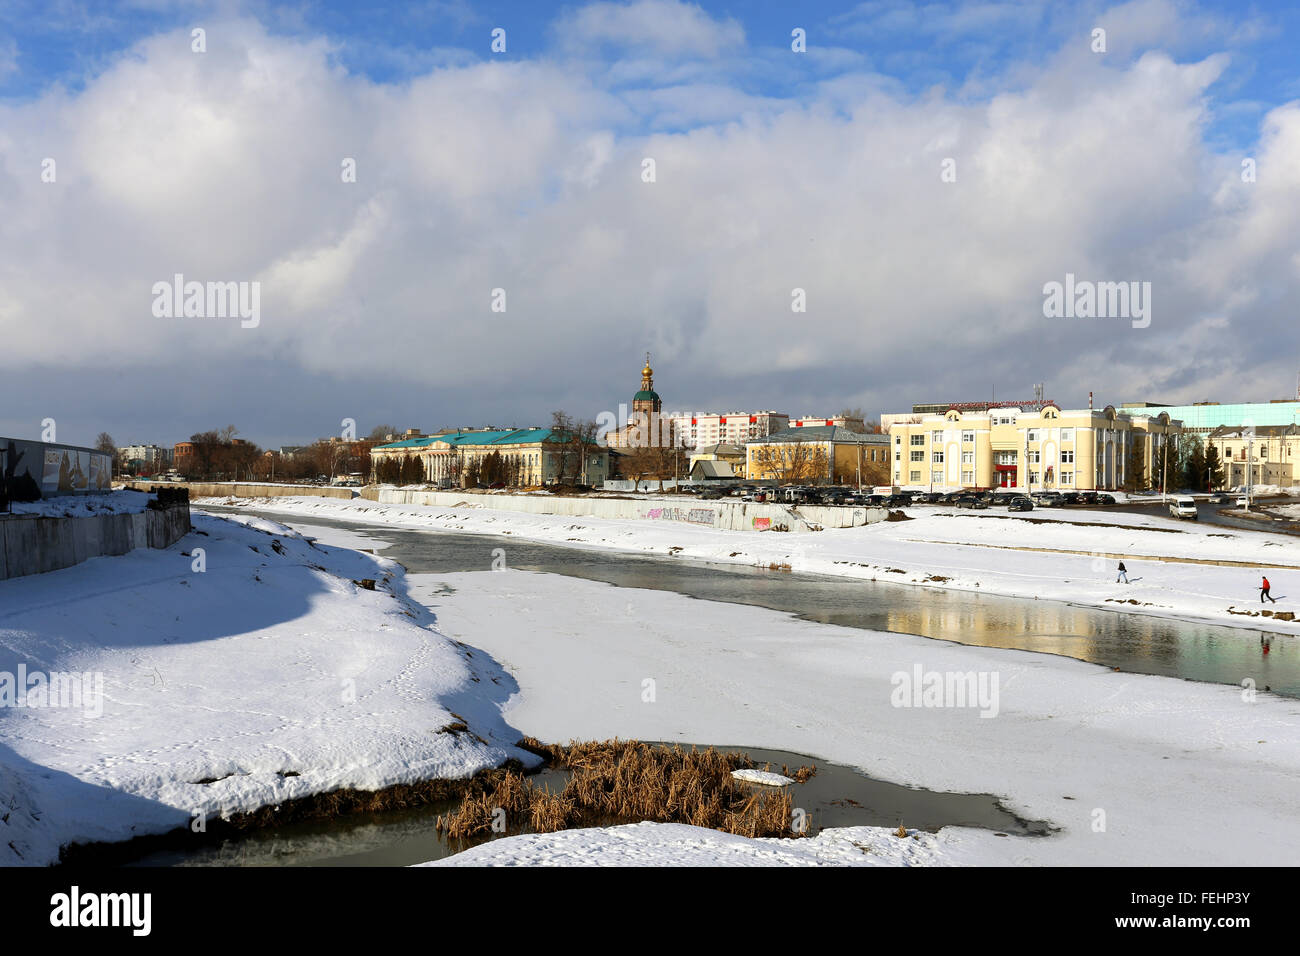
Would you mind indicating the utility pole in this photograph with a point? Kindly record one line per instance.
(1164, 465)
(1250, 468)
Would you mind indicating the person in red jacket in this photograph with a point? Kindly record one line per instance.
(1263, 592)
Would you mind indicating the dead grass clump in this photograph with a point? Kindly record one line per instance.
(627, 780)
(802, 775)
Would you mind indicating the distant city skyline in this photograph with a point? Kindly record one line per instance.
(854, 205)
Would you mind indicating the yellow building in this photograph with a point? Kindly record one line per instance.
(1035, 449)
(529, 456)
(731, 456)
(1271, 452)
(818, 454)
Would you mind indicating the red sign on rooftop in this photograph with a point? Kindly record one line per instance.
(985, 406)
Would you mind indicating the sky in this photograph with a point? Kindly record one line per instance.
(440, 233)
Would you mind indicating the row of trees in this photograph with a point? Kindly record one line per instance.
(407, 470)
(1184, 463)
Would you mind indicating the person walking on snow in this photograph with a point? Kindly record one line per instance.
(1263, 592)
(1123, 574)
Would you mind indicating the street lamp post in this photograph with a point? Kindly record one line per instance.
(1164, 465)
(1250, 469)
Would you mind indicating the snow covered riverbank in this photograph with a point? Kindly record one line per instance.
(1176, 569)
(1134, 770)
(269, 674)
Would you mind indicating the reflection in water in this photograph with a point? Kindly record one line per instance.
(1121, 638)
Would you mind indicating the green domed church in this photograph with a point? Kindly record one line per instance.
(647, 400)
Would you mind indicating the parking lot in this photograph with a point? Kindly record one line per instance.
(838, 496)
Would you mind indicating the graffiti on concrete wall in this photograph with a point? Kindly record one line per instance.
(692, 515)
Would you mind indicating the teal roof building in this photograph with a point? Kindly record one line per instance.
(1203, 419)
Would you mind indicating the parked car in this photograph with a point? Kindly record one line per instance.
(1046, 499)
(1183, 507)
(971, 501)
(711, 494)
(1020, 503)
(1087, 497)
(1243, 502)
(1220, 498)
(896, 501)
(1105, 499)
(1070, 498)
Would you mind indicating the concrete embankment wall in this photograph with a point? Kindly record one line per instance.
(33, 544)
(242, 489)
(727, 515)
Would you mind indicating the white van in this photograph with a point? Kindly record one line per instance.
(1183, 508)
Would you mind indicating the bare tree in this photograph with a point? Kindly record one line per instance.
(106, 444)
(571, 441)
(789, 461)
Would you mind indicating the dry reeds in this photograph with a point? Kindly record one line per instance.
(625, 780)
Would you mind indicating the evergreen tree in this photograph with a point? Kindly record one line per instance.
(412, 470)
(1134, 466)
(1213, 466)
(1193, 461)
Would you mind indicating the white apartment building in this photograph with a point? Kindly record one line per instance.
(698, 429)
(146, 454)
(839, 421)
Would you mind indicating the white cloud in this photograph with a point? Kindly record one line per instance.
(658, 26)
(522, 176)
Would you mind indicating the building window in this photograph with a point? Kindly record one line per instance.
(915, 477)
(1067, 457)
(918, 456)
(1033, 434)
(1033, 477)
(968, 477)
(936, 476)
(937, 458)
(1067, 434)
(918, 439)
(1034, 457)
(898, 456)
(898, 439)
(936, 437)
(968, 436)
(968, 458)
